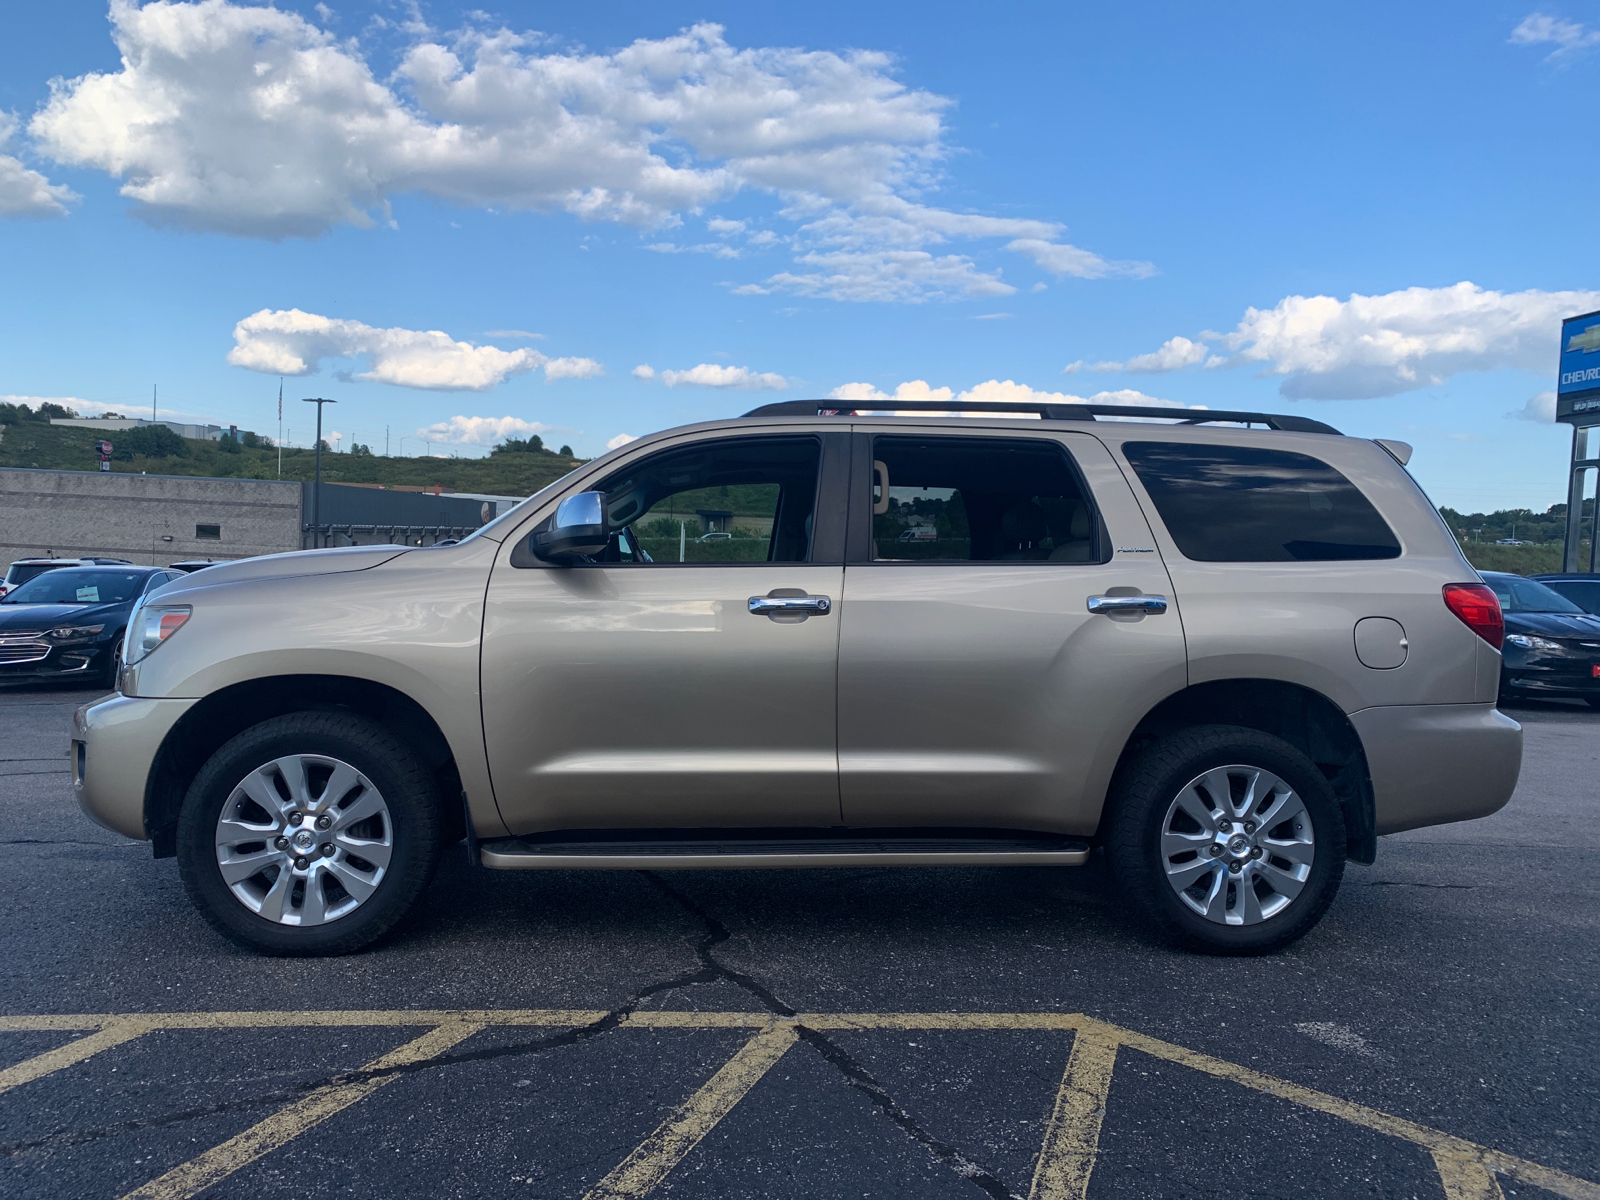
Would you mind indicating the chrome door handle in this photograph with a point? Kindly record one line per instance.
(1154, 605)
(790, 606)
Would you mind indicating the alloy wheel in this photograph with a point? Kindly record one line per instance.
(304, 839)
(1237, 845)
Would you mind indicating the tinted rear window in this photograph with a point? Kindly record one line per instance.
(1247, 504)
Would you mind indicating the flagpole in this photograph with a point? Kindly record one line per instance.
(280, 426)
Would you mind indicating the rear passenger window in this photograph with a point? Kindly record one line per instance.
(978, 499)
(1249, 504)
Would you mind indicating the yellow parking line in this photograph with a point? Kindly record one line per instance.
(216, 1164)
(1072, 1137)
(112, 1032)
(1455, 1157)
(1466, 1169)
(639, 1173)
(1466, 1178)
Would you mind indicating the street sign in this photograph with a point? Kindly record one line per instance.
(104, 448)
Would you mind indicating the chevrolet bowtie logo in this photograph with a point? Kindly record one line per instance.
(1588, 341)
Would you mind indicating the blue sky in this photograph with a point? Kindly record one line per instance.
(1244, 206)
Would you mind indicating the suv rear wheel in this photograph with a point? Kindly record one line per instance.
(311, 833)
(1227, 839)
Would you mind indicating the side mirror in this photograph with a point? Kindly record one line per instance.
(579, 529)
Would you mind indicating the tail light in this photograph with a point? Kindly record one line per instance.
(1479, 610)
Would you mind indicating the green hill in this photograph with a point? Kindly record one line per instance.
(63, 447)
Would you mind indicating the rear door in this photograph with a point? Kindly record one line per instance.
(643, 690)
(976, 687)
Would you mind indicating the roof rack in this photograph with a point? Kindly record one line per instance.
(1049, 412)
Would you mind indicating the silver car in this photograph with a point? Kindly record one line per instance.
(1226, 657)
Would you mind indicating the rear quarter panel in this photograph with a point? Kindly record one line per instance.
(1295, 621)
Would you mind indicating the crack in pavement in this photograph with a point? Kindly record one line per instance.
(1465, 887)
(855, 1074)
(709, 971)
(65, 842)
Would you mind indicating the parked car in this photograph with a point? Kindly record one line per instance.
(1582, 588)
(24, 569)
(190, 565)
(716, 535)
(69, 622)
(1231, 657)
(1552, 645)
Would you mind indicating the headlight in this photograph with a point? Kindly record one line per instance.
(151, 625)
(73, 633)
(1529, 642)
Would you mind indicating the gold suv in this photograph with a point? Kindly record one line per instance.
(1229, 656)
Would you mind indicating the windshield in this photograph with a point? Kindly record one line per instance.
(1524, 595)
(70, 586)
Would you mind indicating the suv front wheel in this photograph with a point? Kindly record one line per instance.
(311, 833)
(1227, 839)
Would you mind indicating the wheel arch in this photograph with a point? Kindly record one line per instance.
(229, 711)
(1301, 716)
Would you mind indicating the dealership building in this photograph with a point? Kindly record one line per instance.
(159, 519)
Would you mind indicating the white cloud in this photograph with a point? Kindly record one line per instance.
(1370, 346)
(915, 389)
(1174, 354)
(903, 275)
(1063, 260)
(1569, 38)
(992, 317)
(1072, 368)
(993, 391)
(716, 249)
(713, 376)
(85, 407)
(481, 431)
(622, 439)
(514, 333)
(291, 342)
(644, 371)
(254, 121)
(572, 368)
(23, 191)
(1540, 407)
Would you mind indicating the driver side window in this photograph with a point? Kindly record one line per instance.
(740, 500)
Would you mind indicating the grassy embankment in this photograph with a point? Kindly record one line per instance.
(59, 447)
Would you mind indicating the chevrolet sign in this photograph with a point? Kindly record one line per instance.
(1580, 357)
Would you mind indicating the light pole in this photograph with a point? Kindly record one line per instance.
(316, 490)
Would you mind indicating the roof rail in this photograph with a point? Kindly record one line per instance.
(1050, 412)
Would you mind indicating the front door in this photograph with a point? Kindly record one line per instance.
(976, 687)
(640, 690)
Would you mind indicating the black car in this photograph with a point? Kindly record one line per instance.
(1552, 646)
(69, 622)
(1581, 588)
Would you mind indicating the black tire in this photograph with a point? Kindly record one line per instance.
(114, 664)
(405, 787)
(1150, 785)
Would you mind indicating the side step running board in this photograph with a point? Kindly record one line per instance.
(518, 854)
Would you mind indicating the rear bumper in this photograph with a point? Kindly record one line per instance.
(1435, 763)
(114, 745)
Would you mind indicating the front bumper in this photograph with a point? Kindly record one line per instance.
(42, 659)
(114, 745)
(1435, 763)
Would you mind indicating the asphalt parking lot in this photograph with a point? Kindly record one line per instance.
(862, 1033)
